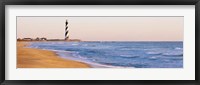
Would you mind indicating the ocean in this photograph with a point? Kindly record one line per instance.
(119, 54)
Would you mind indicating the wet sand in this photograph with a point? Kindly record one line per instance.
(37, 58)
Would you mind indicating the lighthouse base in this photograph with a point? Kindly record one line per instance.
(72, 40)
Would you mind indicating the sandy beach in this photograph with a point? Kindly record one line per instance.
(37, 58)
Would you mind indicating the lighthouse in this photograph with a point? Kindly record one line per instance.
(66, 31)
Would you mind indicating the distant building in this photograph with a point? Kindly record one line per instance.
(31, 39)
(37, 39)
(19, 39)
(27, 39)
(43, 39)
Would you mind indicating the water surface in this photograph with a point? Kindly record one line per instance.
(119, 54)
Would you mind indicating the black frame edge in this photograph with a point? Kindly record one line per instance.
(101, 2)
(97, 2)
(2, 41)
(197, 35)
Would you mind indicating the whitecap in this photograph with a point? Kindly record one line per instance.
(129, 56)
(125, 55)
(153, 53)
(85, 44)
(177, 48)
(75, 44)
(173, 54)
(154, 57)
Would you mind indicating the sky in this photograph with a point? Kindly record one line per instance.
(103, 28)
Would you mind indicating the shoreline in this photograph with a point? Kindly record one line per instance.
(70, 57)
(92, 64)
(38, 58)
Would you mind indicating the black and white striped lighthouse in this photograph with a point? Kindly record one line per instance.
(66, 31)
